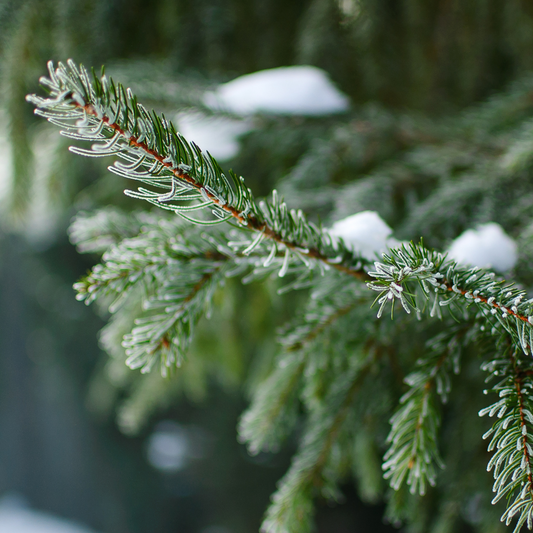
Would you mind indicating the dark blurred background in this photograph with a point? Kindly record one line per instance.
(182, 470)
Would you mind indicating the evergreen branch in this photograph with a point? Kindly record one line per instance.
(167, 335)
(413, 455)
(319, 328)
(292, 509)
(99, 231)
(177, 268)
(274, 409)
(512, 438)
(273, 412)
(158, 251)
(102, 111)
(412, 272)
(329, 300)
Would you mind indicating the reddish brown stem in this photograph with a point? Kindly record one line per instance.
(251, 221)
(518, 385)
(495, 305)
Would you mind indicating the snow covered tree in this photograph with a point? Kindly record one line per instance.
(405, 329)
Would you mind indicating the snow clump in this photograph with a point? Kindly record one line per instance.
(365, 233)
(217, 135)
(297, 90)
(488, 246)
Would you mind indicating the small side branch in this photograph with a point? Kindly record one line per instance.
(412, 273)
(512, 439)
(526, 448)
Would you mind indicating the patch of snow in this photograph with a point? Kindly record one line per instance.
(16, 517)
(488, 246)
(297, 90)
(216, 135)
(365, 233)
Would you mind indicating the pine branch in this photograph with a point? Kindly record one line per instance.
(106, 113)
(512, 437)
(412, 273)
(413, 455)
(292, 509)
(273, 412)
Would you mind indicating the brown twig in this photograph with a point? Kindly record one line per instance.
(251, 221)
(494, 304)
(523, 426)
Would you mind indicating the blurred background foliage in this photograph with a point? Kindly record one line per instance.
(410, 68)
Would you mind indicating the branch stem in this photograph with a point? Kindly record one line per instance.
(523, 426)
(250, 221)
(452, 288)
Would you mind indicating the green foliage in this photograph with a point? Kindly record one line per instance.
(443, 283)
(511, 437)
(340, 370)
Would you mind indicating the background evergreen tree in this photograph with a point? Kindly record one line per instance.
(408, 149)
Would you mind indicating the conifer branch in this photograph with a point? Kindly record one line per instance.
(413, 455)
(158, 250)
(292, 510)
(320, 327)
(413, 273)
(166, 334)
(180, 270)
(274, 408)
(98, 232)
(177, 267)
(512, 438)
(102, 111)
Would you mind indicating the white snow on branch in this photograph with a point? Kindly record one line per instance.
(365, 233)
(217, 135)
(298, 90)
(488, 246)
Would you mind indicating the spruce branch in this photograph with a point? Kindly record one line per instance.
(273, 412)
(292, 510)
(413, 456)
(512, 436)
(98, 110)
(177, 268)
(274, 409)
(98, 232)
(160, 249)
(167, 333)
(413, 273)
(329, 301)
